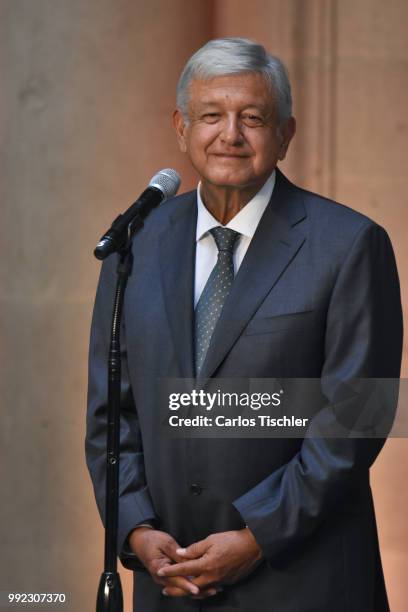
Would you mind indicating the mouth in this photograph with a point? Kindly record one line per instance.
(230, 155)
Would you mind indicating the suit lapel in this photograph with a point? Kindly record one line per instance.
(177, 265)
(274, 245)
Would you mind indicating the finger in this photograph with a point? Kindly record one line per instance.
(188, 587)
(206, 581)
(206, 593)
(179, 581)
(174, 556)
(170, 549)
(195, 550)
(175, 592)
(157, 564)
(189, 568)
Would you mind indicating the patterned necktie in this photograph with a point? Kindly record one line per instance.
(215, 292)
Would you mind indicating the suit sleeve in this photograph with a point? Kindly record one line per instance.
(363, 340)
(135, 505)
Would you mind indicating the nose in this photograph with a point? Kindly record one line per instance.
(231, 131)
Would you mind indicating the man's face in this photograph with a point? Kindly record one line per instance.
(232, 135)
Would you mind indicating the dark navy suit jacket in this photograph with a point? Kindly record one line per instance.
(316, 296)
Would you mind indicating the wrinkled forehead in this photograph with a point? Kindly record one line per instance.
(244, 88)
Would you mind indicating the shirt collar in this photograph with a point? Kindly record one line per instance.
(246, 221)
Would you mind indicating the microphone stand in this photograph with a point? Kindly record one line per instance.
(110, 596)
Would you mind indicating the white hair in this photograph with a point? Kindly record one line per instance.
(224, 56)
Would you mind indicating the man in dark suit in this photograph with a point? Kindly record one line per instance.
(247, 277)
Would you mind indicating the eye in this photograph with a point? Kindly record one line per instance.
(210, 117)
(252, 120)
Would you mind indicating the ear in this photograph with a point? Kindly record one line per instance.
(180, 126)
(287, 130)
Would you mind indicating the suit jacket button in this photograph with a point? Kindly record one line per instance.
(196, 489)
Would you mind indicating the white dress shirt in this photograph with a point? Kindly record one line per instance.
(245, 222)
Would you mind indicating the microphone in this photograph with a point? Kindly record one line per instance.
(163, 185)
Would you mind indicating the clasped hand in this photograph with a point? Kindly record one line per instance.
(202, 568)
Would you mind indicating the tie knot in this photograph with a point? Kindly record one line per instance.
(225, 238)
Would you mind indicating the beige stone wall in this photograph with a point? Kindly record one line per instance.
(86, 93)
